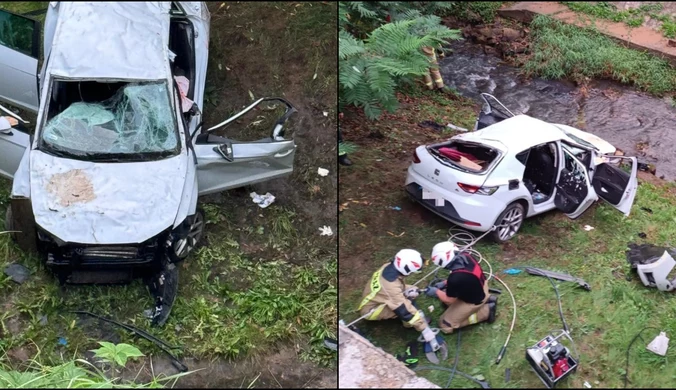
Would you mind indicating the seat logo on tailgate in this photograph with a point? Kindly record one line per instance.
(436, 172)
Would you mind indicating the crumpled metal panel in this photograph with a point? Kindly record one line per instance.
(116, 40)
(105, 203)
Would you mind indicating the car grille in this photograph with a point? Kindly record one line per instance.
(116, 252)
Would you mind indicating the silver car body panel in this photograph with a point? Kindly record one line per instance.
(105, 203)
(126, 202)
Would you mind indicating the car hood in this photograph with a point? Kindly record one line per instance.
(105, 203)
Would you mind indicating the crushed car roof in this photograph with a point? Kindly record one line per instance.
(113, 40)
(518, 133)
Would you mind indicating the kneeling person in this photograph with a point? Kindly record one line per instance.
(390, 298)
(465, 291)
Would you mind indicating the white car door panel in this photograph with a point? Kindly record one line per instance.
(19, 51)
(574, 193)
(616, 186)
(13, 144)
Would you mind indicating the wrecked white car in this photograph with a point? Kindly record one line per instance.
(516, 166)
(110, 178)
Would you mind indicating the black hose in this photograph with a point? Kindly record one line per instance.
(626, 371)
(556, 290)
(455, 364)
(483, 384)
(161, 344)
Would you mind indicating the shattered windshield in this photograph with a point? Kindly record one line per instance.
(90, 119)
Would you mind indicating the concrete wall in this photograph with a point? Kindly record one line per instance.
(363, 365)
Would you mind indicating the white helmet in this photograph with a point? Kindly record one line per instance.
(408, 261)
(443, 253)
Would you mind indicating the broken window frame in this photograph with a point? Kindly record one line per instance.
(47, 148)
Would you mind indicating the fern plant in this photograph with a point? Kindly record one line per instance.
(370, 69)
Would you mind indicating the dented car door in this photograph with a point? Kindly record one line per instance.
(224, 164)
(19, 53)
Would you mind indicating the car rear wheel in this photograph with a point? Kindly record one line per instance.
(509, 222)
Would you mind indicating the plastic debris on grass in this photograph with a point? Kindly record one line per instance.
(62, 341)
(17, 272)
(322, 172)
(396, 208)
(262, 200)
(325, 231)
(588, 228)
(512, 271)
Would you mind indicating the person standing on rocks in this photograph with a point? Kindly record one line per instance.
(465, 291)
(387, 296)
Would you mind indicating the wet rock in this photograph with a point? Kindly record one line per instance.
(520, 48)
(490, 50)
(485, 32)
(510, 34)
(17, 272)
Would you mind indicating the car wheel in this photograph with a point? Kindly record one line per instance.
(184, 246)
(509, 222)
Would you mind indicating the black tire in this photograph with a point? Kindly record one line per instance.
(513, 216)
(197, 218)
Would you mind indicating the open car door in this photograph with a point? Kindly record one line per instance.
(19, 52)
(491, 113)
(13, 144)
(574, 193)
(615, 185)
(224, 164)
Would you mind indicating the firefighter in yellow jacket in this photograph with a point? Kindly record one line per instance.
(390, 297)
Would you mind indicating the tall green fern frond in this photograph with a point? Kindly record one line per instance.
(348, 45)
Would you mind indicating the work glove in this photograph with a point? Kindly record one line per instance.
(431, 338)
(441, 285)
(411, 292)
(431, 292)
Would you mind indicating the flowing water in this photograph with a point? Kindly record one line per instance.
(641, 125)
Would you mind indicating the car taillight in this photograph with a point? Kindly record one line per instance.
(416, 160)
(477, 190)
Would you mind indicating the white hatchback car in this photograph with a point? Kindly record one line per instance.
(109, 180)
(515, 166)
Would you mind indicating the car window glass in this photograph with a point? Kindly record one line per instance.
(579, 153)
(573, 166)
(16, 32)
(136, 118)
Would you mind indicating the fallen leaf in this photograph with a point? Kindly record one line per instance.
(362, 225)
(220, 67)
(314, 77)
(252, 95)
(226, 68)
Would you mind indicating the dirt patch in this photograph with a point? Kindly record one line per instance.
(279, 369)
(71, 187)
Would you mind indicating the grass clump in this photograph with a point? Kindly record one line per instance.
(562, 50)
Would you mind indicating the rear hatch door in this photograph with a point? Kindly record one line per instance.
(452, 175)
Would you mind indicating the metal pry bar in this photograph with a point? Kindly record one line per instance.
(557, 276)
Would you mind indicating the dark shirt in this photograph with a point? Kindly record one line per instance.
(466, 287)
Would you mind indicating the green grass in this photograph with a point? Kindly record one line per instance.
(484, 11)
(562, 50)
(632, 17)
